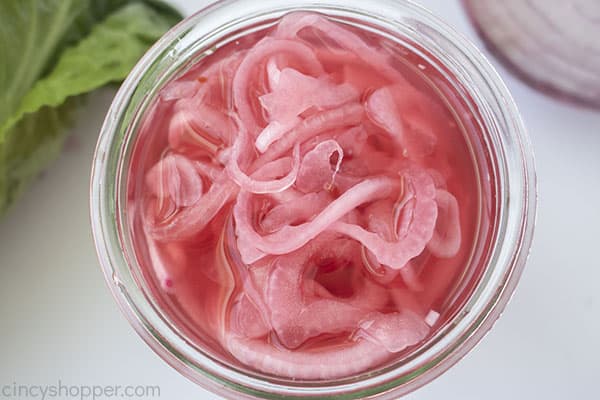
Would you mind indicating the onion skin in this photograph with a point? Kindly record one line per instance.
(559, 56)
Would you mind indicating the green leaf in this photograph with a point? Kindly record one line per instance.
(37, 103)
(35, 141)
(33, 34)
(107, 55)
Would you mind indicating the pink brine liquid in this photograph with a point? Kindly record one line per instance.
(303, 201)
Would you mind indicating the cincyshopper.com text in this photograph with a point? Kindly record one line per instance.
(61, 390)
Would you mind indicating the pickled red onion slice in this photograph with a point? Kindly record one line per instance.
(432, 317)
(406, 115)
(253, 185)
(191, 220)
(268, 47)
(394, 332)
(199, 126)
(247, 319)
(294, 211)
(291, 25)
(347, 115)
(179, 90)
(341, 361)
(379, 337)
(316, 170)
(297, 316)
(175, 177)
(395, 254)
(290, 238)
(295, 93)
(446, 238)
(209, 170)
(353, 141)
(249, 313)
(275, 130)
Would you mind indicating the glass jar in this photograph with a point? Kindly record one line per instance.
(502, 146)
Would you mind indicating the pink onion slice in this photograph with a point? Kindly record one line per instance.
(352, 140)
(348, 115)
(406, 115)
(294, 211)
(247, 319)
(296, 92)
(550, 45)
(432, 318)
(395, 254)
(211, 171)
(179, 90)
(379, 337)
(394, 332)
(298, 316)
(446, 238)
(242, 146)
(211, 86)
(345, 360)
(191, 220)
(293, 94)
(200, 126)
(293, 320)
(249, 313)
(275, 130)
(381, 109)
(176, 178)
(291, 25)
(273, 169)
(316, 170)
(380, 273)
(290, 238)
(258, 55)
(273, 73)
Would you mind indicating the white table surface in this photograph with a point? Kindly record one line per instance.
(59, 322)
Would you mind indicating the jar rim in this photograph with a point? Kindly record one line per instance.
(517, 222)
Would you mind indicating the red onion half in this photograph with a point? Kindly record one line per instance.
(551, 45)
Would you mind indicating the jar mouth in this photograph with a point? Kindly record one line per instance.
(507, 142)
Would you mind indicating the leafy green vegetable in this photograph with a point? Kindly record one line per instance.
(54, 51)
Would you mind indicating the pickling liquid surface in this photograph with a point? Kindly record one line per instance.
(303, 202)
